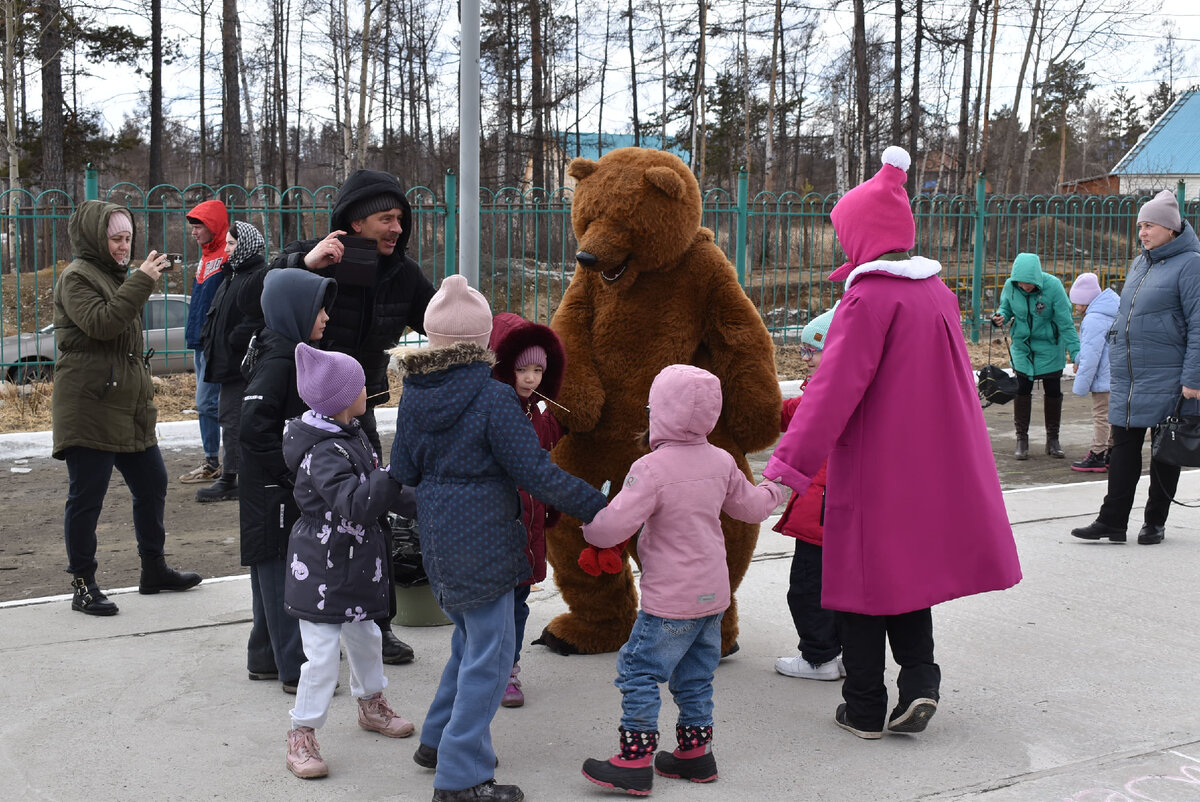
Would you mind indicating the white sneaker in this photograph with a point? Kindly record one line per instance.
(799, 667)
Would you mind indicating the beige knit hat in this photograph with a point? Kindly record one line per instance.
(457, 313)
(1162, 209)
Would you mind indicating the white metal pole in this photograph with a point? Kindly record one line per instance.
(468, 143)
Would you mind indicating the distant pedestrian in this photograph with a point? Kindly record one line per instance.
(673, 499)
(103, 403)
(1154, 350)
(336, 582)
(820, 646)
(233, 317)
(1092, 366)
(1043, 335)
(913, 510)
(209, 224)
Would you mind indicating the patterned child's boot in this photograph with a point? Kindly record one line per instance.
(629, 771)
(693, 760)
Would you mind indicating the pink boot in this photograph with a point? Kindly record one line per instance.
(376, 715)
(512, 694)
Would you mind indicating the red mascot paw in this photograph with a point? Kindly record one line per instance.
(612, 560)
(588, 561)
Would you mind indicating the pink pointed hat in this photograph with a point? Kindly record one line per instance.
(875, 217)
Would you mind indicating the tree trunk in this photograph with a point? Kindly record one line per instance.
(203, 113)
(862, 92)
(156, 99)
(603, 73)
(897, 66)
(914, 102)
(537, 99)
(699, 133)
(1010, 139)
(50, 55)
(964, 98)
(987, 102)
(252, 136)
(360, 147)
(233, 161)
(10, 130)
(633, 84)
(769, 155)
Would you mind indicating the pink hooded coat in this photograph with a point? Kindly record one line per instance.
(678, 491)
(913, 510)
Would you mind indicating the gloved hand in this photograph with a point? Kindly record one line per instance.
(596, 561)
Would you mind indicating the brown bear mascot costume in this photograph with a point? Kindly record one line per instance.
(651, 289)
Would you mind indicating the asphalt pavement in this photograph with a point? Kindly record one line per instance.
(1077, 684)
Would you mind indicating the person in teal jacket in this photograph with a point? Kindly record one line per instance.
(1043, 337)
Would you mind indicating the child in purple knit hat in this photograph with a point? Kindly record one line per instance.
(336, 582)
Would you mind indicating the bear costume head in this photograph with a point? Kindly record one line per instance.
(633, 195)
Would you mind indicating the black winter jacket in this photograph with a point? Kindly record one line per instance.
(265, 484)
(233, 317)
(367, 321)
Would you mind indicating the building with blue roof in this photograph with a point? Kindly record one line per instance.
(1167, 153)
(593, 145)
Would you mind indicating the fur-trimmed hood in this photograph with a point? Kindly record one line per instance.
(440, 383)
(914, 267)
(511, 336)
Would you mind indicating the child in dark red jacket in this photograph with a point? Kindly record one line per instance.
(820, 647)
(531, 359)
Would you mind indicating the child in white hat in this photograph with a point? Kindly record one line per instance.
(1099, 310)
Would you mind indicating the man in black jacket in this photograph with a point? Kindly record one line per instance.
(373, 307)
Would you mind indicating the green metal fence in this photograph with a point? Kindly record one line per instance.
(781, 245)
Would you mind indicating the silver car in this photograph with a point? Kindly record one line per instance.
(30, 356)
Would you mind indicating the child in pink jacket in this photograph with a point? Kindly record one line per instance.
(675, 495)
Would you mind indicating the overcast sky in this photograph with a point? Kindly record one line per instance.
(1131, 67)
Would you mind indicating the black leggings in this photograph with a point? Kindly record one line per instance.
(1051, 384)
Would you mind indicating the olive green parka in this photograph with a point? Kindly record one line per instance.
(103, 397)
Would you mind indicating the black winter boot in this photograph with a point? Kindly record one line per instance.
(693, 760)
(630, 770)
(1053, 419)
(1022, 409)
(395, 651)
(157, 576)
(224, 489)
(88, 598)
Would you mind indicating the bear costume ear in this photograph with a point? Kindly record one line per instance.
(667, 180)
(581, 168)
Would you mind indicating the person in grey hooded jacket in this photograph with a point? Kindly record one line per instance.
(1154, 358)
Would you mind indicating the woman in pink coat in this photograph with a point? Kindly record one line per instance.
(913, 510)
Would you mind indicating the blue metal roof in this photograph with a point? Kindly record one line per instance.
(1171, 146)
(593, 145)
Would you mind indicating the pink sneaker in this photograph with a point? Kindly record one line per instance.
(376, 715)
(304, 754)
(512, 694)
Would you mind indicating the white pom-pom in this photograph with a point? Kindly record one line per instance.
(897, 157)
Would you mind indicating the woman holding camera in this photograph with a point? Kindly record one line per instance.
(102, 403)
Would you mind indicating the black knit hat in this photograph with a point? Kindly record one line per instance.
(369, 206)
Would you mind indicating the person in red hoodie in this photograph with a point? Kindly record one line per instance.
(531, 359)
(820, 647)
(208, 223)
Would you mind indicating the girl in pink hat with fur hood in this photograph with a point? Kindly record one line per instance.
(913, 511)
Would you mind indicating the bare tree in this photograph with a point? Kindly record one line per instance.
(50, 56)
(233, 162)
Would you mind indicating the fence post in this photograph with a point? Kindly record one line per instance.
(743, 210)
(91, 183)
(980, 235)
(451, 224)
(1180, 193)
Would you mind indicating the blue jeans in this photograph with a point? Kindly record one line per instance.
(520, 616)
(207, 401)
(681, 652)
(269, 618)
(88, 473)
(459, 720)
